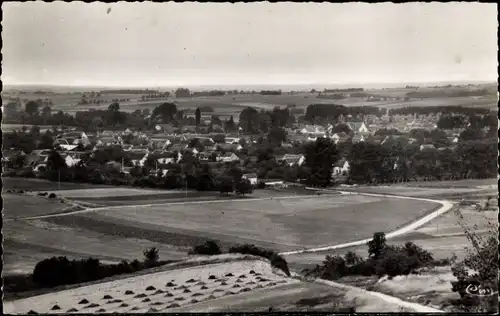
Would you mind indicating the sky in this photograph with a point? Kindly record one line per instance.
(153, 44)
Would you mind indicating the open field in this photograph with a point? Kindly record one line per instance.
(225, 283)
(182, 293)
(233, 104)
(285, 224)
(27, 184)
(17, 206)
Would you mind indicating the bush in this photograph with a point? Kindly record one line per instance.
(151, 255)
(209, 248)
(52, 196)
(277, 261)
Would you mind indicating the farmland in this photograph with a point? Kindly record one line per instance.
(281, 223)
(230, 104)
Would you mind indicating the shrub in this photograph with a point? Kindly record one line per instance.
(277, 261)
(52, 196)
(209, 248)
(151, 255)
(376, 245)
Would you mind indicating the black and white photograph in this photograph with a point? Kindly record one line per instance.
(186, 157)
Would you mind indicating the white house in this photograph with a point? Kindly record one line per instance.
(252, 177)
(359, 127)
(228, 157)
(342, 167)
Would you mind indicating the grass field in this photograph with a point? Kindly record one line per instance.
(27, 184)
(284, 224)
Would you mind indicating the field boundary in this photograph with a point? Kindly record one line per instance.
(387, 298)
(445, 207)
(95, 209)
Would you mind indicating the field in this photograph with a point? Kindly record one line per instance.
(233, 104)
(26, 184)
(268, 219)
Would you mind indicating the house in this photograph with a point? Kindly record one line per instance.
(313, 130)
(342, 167)
(232, 140)
(166, 128)
(357, 139)
(229, 147)
(453, 139)
(427, 147)
(228, 157)
(339, 137)
(252, 177)
(60, 141)
(358, 127)
(291, 159)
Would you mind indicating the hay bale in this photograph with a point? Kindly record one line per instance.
(239, 281)
(201, 283)
(258, 286)
(152, 310)
(107, 297)
(212, 277)
(140, 295)
(84, 301)
(191, 281)
(196, 294)
(217, 290)
(180, 298)
(251, 283)
(157, 303)
(92, 305)
(134, 308)
(204, 287)
(194, 301)
(170, 284)
(242, 276)
(123, 305)
(158, 292)
(116, 301)
(32, 312)
(186, 291)
(55, 308)
(100, 310)
(129, 292)
(71, 310)
(146, 300)
(252, 272)
(150, 288)
(169, 294)
(211, 297)
(236, 286)
(173, 305)
(223, 283)
(229, 274)
(246, 289)
(230, 293)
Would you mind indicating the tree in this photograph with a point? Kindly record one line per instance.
(11, 108)
(32, 108)
(276, 136)
(182, 93)
(225, 185)
(377, 245)
(320, 156)
(244, 186)
(166, 112)
(198, 116)
(151, 255)
(230, 125)
(55, 161)
(471, 134)
(248, 120)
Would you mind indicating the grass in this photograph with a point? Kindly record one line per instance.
(284, 224)
(28, 184)
(17, 205)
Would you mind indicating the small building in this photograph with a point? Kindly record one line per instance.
(252, 177)
(357, 139)
(228, 157)
(342, 167)
(428, 147)
(358, 127)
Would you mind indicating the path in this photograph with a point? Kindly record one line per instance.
(445, 207)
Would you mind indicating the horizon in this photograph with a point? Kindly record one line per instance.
(281, 44)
